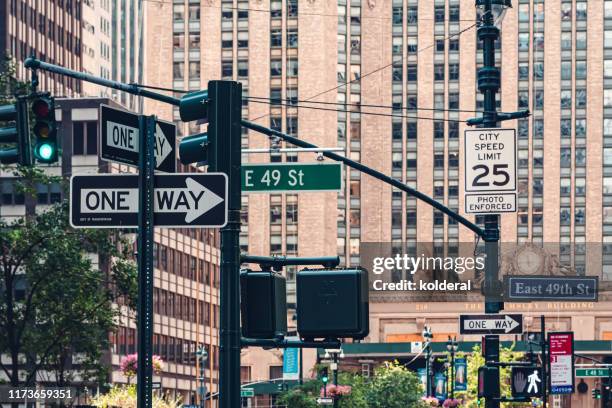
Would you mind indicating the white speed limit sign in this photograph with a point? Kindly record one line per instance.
(490, 171)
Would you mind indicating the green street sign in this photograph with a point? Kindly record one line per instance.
(593, 372)
(247, 392)
(291, 177)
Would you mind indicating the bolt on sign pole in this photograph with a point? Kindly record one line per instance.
(145, 261)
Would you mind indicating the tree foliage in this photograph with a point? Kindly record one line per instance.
(391, 386)
(55, 302)
(476, 360)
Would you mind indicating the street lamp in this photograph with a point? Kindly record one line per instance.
(427, 336)
(452, 346)
(202, 355)
(498, 9)
(335, 354)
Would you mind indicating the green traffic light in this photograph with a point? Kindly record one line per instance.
(45, 151)
(325, 379)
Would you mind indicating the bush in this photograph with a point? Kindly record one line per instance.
(125, 397)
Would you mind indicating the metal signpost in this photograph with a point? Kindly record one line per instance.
(531, 288)
(120, 141)
(561, 362)
(290, 177)
(490, 171)
(185, 200)
(491, 324)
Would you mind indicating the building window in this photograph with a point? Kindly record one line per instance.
(439, 72)
(453, 72)
(85, 138)
(439, 14)
(276, 38)
(194, 70)
(194, 12)
(292, 68)
(453, 13)
(292, 38)
(276, 68)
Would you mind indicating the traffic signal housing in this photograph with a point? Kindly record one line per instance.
(596, 393)
(221, 107)
(324, 375)
(45, 129)
(332, 303)
(263, 304)
(16, 134)
(488, 382)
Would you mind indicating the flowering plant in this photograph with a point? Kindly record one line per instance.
(452, 403)
(431, 401)
(336, 390)
(129, 365)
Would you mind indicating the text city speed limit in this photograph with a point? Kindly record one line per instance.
(490, 171)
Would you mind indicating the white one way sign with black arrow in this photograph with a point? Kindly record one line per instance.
(491, 324)
(185, 200)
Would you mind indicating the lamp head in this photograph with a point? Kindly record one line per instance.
(498, 10)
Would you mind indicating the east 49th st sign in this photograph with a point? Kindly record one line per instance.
(182, 200)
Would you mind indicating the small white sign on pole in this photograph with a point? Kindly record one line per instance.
(490, 171)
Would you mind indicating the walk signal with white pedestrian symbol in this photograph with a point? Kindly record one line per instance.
(526, 381)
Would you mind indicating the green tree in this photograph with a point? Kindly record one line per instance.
(476, 360)
(394, 386)
(55, 303)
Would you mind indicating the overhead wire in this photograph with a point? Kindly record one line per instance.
(361, 105)
(294, 105)
(378, 69)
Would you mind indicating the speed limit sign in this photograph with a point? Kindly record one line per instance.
(490, 171)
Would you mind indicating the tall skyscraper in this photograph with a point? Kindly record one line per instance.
(50, 30)
(415, 61)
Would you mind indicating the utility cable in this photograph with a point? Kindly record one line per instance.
(292, 105)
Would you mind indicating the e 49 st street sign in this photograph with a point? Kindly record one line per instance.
(289, 177)
(186, 200)
(120, 139)
(490, 171)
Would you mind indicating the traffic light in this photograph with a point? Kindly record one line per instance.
(488, 382)
(596, 393)
(332, 303)
(490, 348)
(263, 304)
(45, 129)
(16, 134)
(324, 375)
(221, 107)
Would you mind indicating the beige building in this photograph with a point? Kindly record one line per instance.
(96, 48)
(417, 61)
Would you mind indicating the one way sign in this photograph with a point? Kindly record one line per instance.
(186, 200)
(120, 139)
(491, 324)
